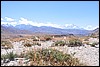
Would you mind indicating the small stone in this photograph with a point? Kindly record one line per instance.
(11, 63)
(7, 60)
(24, 64)
(80, 48)
(97, 46)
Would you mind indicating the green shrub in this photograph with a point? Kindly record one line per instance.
(93, 44)
(60, 43)
(9, 56)
(74, 42)
(32, 44)
(70, 43)
(51, 57)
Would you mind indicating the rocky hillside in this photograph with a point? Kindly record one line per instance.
(95, 33)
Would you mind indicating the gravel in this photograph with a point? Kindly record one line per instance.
(86, 54)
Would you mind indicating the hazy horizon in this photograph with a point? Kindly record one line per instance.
(60, 14)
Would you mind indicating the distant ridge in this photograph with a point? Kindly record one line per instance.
(12, 30)
(28, 29)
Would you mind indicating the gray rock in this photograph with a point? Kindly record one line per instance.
(12, 63)
(7, 60)
(97, 46)
(1, 62)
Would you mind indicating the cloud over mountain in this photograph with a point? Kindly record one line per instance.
(10, 21)
(89, 27)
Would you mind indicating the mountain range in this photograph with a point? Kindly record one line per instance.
(28, 29)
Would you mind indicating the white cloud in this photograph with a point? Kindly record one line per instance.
(38, 24)
(27, 22)
(68, 25)
(22, 20)
(4, 22)
(1, 18)
(9, 19)
(89, 27)
(14, 23)
(51, 24)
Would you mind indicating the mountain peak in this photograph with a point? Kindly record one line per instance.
(72, 26)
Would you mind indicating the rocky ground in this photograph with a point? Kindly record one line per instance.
(86, 54)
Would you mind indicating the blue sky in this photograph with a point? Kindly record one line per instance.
(80, 13)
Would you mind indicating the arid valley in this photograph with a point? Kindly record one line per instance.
(49, 33)
(49, 50)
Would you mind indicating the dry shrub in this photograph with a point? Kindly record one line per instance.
(28, 44)
(47, 38)
(60, 43)
(70, 43)
(93, 44)
(6, 44)
(74, 42)
(86, 42)
(35, 38)
(50, 57)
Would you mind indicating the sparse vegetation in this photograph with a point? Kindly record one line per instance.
(70, 43)
(32, 44)
(86, 42)
(51, 57)
(35, 38)
(48, 38)
(9, 56)
(6, 44)
(39, 56)
(74, 42)
(37, 43)
(27, 45)
(93, 44)
(60, 43)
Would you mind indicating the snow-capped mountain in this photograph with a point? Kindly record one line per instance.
(72, 26)
(48, 29)
(23, 21)
(66, 26)
(7, 25)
